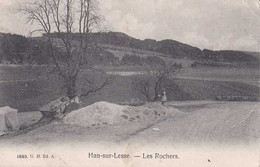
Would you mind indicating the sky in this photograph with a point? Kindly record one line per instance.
(211, 24)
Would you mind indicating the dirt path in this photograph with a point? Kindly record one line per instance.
(225, 123)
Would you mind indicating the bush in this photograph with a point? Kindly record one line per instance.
(99, 56)
(129, 59)
(153, 61)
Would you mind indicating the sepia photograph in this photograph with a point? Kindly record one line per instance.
(139, 83)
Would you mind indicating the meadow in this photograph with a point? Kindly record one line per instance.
(244, 75)
(25, 89)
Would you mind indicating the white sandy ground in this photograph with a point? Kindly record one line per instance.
(102, 114)
(224, 133)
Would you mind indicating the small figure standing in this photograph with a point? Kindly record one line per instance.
(163, 96)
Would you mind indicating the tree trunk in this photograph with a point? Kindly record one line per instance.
(71, 88)
(155, 98)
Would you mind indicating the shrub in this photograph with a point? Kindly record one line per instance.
(131, 59)
(100, 56)
(153, 61)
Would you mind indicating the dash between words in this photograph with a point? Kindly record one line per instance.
(128, 156)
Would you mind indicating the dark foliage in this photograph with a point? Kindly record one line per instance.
(99, 56)
(153, 61)
(151, 84)
(227, 56)
(38, 52)
(14, 48)
(131, 59)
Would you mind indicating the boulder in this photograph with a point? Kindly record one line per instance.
(8, 120)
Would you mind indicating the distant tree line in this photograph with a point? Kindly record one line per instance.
(14, 48)
(227, 56)
(17, 49)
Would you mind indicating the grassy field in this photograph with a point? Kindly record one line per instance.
(245, 75)
(27, 91)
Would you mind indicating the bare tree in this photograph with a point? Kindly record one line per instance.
(61, 21)
(153, 80)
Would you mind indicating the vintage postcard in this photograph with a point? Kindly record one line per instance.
(138, 83)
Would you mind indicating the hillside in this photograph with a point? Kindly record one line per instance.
(171, 48)
(118, 43)
(255, 54)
